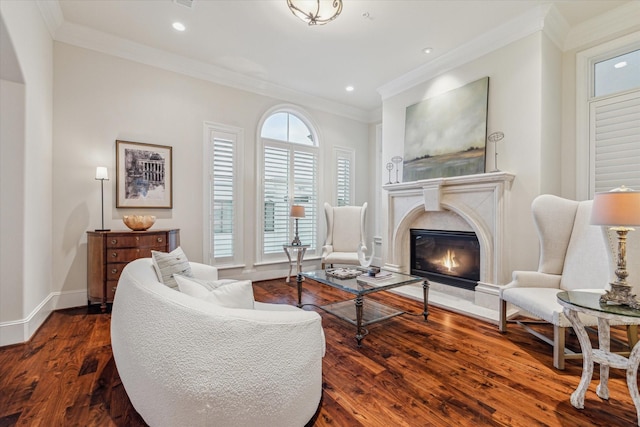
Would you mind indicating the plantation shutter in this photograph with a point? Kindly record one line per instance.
(304, 185)
(615, 142)
(276, 199)
(343, 179)
(222, 194)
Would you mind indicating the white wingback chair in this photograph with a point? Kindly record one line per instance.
(345, 232)
(573, 255)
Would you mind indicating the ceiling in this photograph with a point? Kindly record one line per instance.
(370, 44)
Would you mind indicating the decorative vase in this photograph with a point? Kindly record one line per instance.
(139, 222)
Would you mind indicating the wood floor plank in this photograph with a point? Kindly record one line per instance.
(450, 370)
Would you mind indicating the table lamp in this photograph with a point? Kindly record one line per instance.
(297, 212)
(618, 209)
(102, 176)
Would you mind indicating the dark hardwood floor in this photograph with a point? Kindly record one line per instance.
(451, 370)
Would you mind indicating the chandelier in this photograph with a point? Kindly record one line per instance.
(315, 12)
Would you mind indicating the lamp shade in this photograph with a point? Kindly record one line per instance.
(618, 207)
(101, 173)
(297, 211)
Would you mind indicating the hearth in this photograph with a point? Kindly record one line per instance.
(447, 257)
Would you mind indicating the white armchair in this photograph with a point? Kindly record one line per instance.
(345, 232)
(184, 361)
(573, 255)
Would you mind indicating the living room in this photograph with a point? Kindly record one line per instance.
(69, 93)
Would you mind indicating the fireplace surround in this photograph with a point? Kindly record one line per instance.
(473, 203)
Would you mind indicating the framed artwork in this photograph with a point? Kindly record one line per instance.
(143, 175)
(446, 135)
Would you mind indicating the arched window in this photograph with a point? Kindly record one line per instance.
(289, 177)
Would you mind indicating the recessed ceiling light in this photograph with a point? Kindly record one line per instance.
(427, 50)
(179, 26)
(621, 64)
(349, 88)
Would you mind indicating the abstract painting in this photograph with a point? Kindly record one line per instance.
(446, 135)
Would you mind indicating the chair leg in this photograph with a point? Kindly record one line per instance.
(558, 347)
(502, 322)
(632, 335)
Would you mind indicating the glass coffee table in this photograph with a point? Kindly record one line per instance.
(357, 311)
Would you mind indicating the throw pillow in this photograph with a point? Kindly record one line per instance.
(227, 293)
(191, 287)
(169, 264)
(208, 285)
(238, 294)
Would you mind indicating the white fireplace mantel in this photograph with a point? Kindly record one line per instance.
(478, 202)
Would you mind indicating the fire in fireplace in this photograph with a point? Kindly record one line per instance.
(448, 257)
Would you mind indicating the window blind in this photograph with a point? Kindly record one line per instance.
(223, 198)
(305, 184)
(343, 180)
(276, 199)
(615, 140)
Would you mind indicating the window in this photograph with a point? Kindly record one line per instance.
(343, 159)
(289, 176)
(223, 211)
(608, 107)
(615, 122)
(617, 74)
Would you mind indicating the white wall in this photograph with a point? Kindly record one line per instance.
(100, 98)
(11, 200)
(32, 47)
(516, 97)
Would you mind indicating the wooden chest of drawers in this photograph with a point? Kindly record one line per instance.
(109, 251)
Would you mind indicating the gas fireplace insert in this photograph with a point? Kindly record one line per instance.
(447, 257)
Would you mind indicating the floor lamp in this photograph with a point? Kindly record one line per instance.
(297, 212)
(620, 210)
(102, 176)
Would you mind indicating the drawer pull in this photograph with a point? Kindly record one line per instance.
(114, 270)
(114, 254)
(114, 241)
(137, 239)
(159, 239)
(114, 289)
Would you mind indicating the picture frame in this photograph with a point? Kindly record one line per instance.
(144, 177)
(446, 135)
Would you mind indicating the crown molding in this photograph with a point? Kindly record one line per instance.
(623, 18)
(88, 38)
(556, 27)
(507, 33)
(51, 14)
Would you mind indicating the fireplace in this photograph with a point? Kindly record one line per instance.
(447, 257)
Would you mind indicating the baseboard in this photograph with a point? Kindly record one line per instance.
(20, 331)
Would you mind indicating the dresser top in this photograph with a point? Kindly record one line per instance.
(110, 232)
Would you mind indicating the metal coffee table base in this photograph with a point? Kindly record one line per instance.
(365, 313)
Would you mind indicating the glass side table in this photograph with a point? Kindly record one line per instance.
(574, 302)
(298, 252)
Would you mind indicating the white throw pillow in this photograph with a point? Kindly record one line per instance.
(191, 287)
(169, 264)
(227, 293)
(238, 294)
(208, 285)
